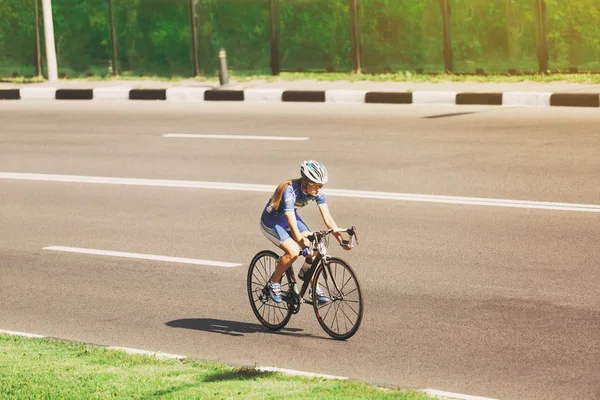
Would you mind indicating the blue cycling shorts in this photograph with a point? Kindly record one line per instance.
(279, 232)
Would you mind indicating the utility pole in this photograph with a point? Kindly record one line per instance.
(448, 59)
(274, 17)
(356, 62)
(50, 48)
(542, 45)
(113, 38)
(38, 48)
(193, 22)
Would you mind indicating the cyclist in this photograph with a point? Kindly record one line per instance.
(282, 225)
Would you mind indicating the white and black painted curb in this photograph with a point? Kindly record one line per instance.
(431, 392)
(533, 99)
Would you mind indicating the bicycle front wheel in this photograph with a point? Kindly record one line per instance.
(272, 315)
(341, 316)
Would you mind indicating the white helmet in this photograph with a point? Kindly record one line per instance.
(314, 171)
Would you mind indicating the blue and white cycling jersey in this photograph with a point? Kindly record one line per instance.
(293, 198)
(274, 224)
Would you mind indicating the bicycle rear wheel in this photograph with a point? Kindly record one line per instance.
(342, 315)
(272, 315)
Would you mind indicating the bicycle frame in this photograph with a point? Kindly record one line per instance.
(307, 278)
(320, 246)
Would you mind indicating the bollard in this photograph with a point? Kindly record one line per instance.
(223, 78)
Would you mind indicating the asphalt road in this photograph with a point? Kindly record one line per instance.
(492, 301)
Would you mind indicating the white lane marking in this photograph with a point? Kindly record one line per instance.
(450, 395)
(478, 201)
(147, 353)
(240, 137)
(30, 335)
(299, 373)
(141, 256)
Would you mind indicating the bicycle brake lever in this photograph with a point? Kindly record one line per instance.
(353, 235)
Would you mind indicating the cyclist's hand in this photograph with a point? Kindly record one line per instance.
(346, 245)
(307, 252)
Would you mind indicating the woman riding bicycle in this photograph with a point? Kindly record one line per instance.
(282, 225)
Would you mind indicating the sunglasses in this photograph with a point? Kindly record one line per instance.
(315, 185)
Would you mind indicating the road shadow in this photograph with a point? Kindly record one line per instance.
(237, 374)
(449, 115)
(241, 374)
(233, 328)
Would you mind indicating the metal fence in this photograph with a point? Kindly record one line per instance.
(183, 37)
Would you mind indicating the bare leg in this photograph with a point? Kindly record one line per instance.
(292, 250)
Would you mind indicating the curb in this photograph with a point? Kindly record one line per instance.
(165, 356)
(531, 99)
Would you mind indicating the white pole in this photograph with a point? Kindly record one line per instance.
(50, 49)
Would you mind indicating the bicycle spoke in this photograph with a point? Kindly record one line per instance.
(268, 269)
(336, 319)
(345, 320)
(260, 276)
(353, 310)
(328, 309)
(345, 283)
(256, 298)
(346, 315)
(350, 292)
(282, 312)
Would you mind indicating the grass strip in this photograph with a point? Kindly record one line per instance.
(240, 77)
(52, 369)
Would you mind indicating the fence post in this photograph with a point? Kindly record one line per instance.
(274, 25)
(448, 59)
(542, 46)
(113, 38)
(355, 38)
(38, 46)
(223, 72)
(193, 20)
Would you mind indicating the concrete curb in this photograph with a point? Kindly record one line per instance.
(529, 99)
(165, 356)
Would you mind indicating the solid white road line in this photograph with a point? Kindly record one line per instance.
(450, 395)
(142, 256)
(240, 137)
(475, 201)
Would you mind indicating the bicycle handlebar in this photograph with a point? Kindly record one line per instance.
(318, 235)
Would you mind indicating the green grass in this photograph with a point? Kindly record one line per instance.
(52, 369)
(242, 77)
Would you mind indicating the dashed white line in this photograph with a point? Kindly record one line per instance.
(474, 201)
(230, 137)
(152, 257)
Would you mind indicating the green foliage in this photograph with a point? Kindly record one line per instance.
(154, 36)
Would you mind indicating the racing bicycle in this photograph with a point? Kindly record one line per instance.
(340, 316)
